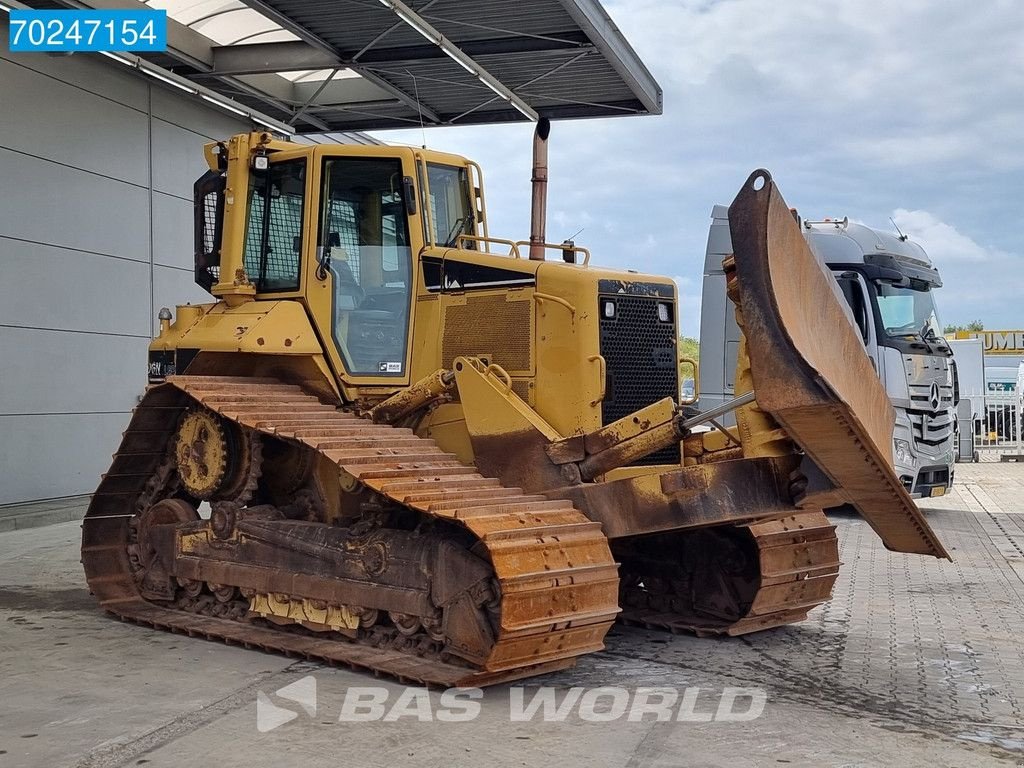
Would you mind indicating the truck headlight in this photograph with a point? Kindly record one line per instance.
(902, 452)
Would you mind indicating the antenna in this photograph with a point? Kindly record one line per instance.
(419, 107)
(574, 235)
(903, 238)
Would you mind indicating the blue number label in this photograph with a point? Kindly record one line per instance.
(88, 30)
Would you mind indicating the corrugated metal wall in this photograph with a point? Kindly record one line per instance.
(97, 167)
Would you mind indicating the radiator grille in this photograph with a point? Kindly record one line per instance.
(640, 353)
(491, 326)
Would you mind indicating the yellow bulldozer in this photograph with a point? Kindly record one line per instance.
(395, 442)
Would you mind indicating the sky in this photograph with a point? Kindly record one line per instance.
(877, 110)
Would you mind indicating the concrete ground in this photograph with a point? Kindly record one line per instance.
(914, 662)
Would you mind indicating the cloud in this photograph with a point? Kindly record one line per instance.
(942, 241)
(979, 281)
(870, 109)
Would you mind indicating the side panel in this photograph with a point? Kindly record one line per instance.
(570, 370)
(257, 338)
(719, 334)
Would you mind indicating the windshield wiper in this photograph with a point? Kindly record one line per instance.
(923, 335)
(460, 227)
(928, 334)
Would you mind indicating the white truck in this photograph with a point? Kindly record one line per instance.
(969, 356)
(888, 283)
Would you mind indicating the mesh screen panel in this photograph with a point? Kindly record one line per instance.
(490, 325)
(284, 233)
(273, 237)
(522, 389)
(210, 225)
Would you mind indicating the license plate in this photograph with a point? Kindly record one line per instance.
(939, 491)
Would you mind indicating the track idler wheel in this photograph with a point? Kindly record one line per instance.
(152, 552)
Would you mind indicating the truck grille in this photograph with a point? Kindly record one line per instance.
(931, 401)
(931, 427)
(640, 354)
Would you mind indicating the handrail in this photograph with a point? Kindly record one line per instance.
(499, 373)
(561, 247)
(513, 246)
(428, 217)
(696, 380)
(602, 372)
(483, 199)
(541, 297)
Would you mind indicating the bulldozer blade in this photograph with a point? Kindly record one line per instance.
(810, 370)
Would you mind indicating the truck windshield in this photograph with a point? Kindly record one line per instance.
(906, 311)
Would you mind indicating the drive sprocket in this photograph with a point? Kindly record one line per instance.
(216, 459)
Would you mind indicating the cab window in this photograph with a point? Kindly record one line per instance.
(364, 232)
(273, 234)
(450, 213)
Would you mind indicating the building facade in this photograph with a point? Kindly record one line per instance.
(1003, 353)
(95, 236)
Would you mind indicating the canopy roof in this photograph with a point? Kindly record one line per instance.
(352, 65)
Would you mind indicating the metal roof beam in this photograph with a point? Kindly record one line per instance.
(610, 41)
(420, 25)
(303, 33)
(258, 58)
(571, 41)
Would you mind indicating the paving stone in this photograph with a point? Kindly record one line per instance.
(928, 643)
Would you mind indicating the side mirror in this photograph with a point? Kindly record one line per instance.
(857, 301)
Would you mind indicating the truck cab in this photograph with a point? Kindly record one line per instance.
(888, 283)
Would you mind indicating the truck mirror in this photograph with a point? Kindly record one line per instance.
(853, 291)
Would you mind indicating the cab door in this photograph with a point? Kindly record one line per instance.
(361, 285)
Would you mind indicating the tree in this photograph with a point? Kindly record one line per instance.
(689, 347)
(973, 326)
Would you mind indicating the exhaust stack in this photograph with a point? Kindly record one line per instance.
(539, 209)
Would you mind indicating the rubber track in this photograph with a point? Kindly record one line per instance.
(799, 560)
(558, 580)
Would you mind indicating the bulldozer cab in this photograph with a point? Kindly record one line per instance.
(337, 227)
